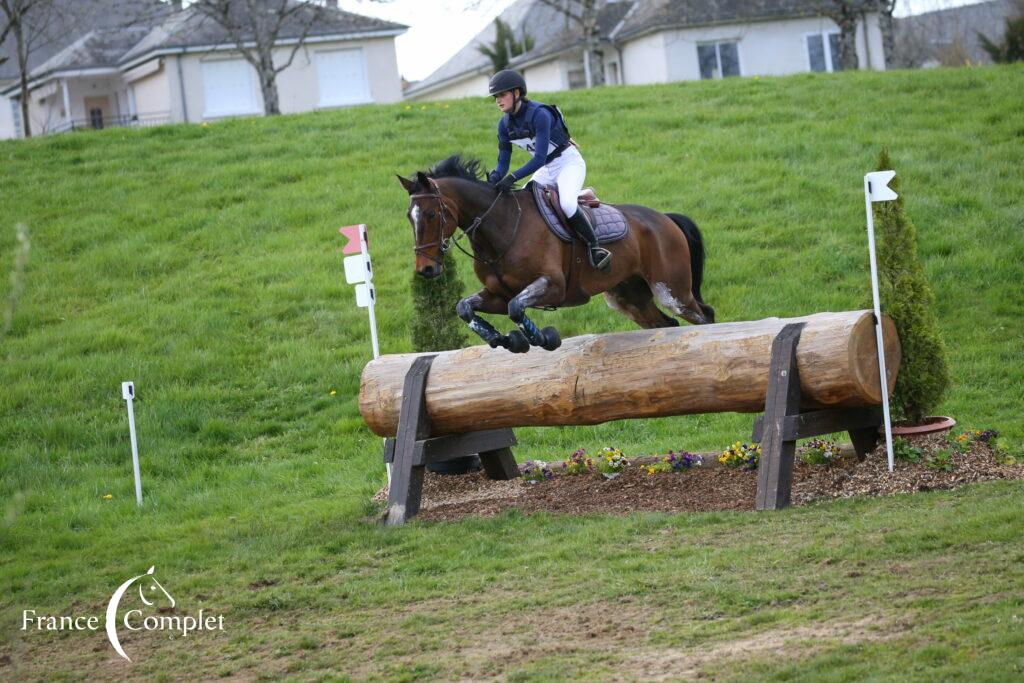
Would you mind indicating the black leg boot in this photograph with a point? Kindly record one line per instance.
(600, 258)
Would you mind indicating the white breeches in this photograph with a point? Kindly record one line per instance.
(567, 172)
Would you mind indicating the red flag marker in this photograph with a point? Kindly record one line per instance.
(352, 233)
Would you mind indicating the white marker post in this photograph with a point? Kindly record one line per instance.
(128, 394)
(876, 189)
(359, 272)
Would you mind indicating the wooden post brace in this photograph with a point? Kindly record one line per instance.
(412, 448)
(783, 423)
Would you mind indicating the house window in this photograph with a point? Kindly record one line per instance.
(16, 110)
(228, 88)
(341, 76)
(718, 60)
(819, 58)
(577, 79)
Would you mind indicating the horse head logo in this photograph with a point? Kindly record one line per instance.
(150, 591)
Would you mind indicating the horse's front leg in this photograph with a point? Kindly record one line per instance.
(540, 292)
(486, 302)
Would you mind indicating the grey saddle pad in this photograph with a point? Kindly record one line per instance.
(609, 223)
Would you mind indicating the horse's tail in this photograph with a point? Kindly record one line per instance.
(697, 255)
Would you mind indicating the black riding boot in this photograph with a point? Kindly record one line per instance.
(599, 258)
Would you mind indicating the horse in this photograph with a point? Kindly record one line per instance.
(521, 264)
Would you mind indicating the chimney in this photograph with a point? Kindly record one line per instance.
(332, 4)
(176, 5)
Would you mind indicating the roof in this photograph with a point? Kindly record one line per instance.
(923, 38)
(191, 29)
(469, 59)
(110, 33)
(72, 20)
(652, 15)
(618, 20)
(569, 37)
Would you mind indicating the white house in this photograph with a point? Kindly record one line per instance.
(187, 69)
(658, 41)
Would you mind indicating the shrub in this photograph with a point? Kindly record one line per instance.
(1011, 49)
(435, 326)
(908, 299)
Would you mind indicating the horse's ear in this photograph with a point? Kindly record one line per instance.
(406, 183)
(422, 179)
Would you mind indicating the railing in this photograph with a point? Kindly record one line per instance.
(100, 122)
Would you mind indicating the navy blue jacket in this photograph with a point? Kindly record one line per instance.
(537, 128)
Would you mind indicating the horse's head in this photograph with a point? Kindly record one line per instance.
(433, 220)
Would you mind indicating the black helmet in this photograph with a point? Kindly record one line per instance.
(505, 80)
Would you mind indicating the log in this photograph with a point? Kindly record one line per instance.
(647, 373)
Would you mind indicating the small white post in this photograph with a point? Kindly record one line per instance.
(364, 247)
(359, 272)
(876, 189)
(128, 394)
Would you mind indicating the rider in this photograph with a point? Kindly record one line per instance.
(539, 129)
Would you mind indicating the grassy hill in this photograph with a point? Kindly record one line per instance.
(203, 262)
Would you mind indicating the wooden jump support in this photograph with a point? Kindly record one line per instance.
(813, 375)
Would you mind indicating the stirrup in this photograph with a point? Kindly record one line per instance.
(600, 258)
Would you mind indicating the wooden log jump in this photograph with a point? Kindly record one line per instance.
(646, 373)
(812, 375)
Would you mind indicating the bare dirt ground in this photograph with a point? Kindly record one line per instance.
(709, 488)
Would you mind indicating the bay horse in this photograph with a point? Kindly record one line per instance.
(521, 264)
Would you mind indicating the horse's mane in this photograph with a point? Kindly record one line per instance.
(453, 167)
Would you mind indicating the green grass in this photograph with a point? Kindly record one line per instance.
(204, 264)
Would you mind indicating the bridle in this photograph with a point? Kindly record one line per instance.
(445, 243)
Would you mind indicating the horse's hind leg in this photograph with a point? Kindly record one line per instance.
(685, 306)
(633, 299)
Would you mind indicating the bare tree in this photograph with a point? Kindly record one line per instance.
(846, 14)
(29, 22)
(583, 14)
(255, 26)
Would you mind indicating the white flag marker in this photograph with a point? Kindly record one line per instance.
(876, 189)
(128, 394)
(359, 272)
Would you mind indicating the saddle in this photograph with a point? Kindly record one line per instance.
(609, 223)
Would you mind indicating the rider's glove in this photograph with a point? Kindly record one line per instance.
(505, 184)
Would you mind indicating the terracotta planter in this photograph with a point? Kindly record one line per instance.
(931, 425)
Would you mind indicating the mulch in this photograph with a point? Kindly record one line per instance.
(449, 498)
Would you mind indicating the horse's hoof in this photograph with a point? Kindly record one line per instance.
(552, 340)
(501, 341)
(517, 342)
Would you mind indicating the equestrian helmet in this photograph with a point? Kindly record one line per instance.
(506, 80)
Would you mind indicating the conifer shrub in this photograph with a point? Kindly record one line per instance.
(907, 297)
(435, 326)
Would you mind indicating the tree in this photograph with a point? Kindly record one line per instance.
(505, 46)
(254, 26)
(846, 13)
(907, 297)
(1012, 47)
(435, 327)
(584, 14)
(29, 22)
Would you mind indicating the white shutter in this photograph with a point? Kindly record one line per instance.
(228, 88)
(341, 76)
